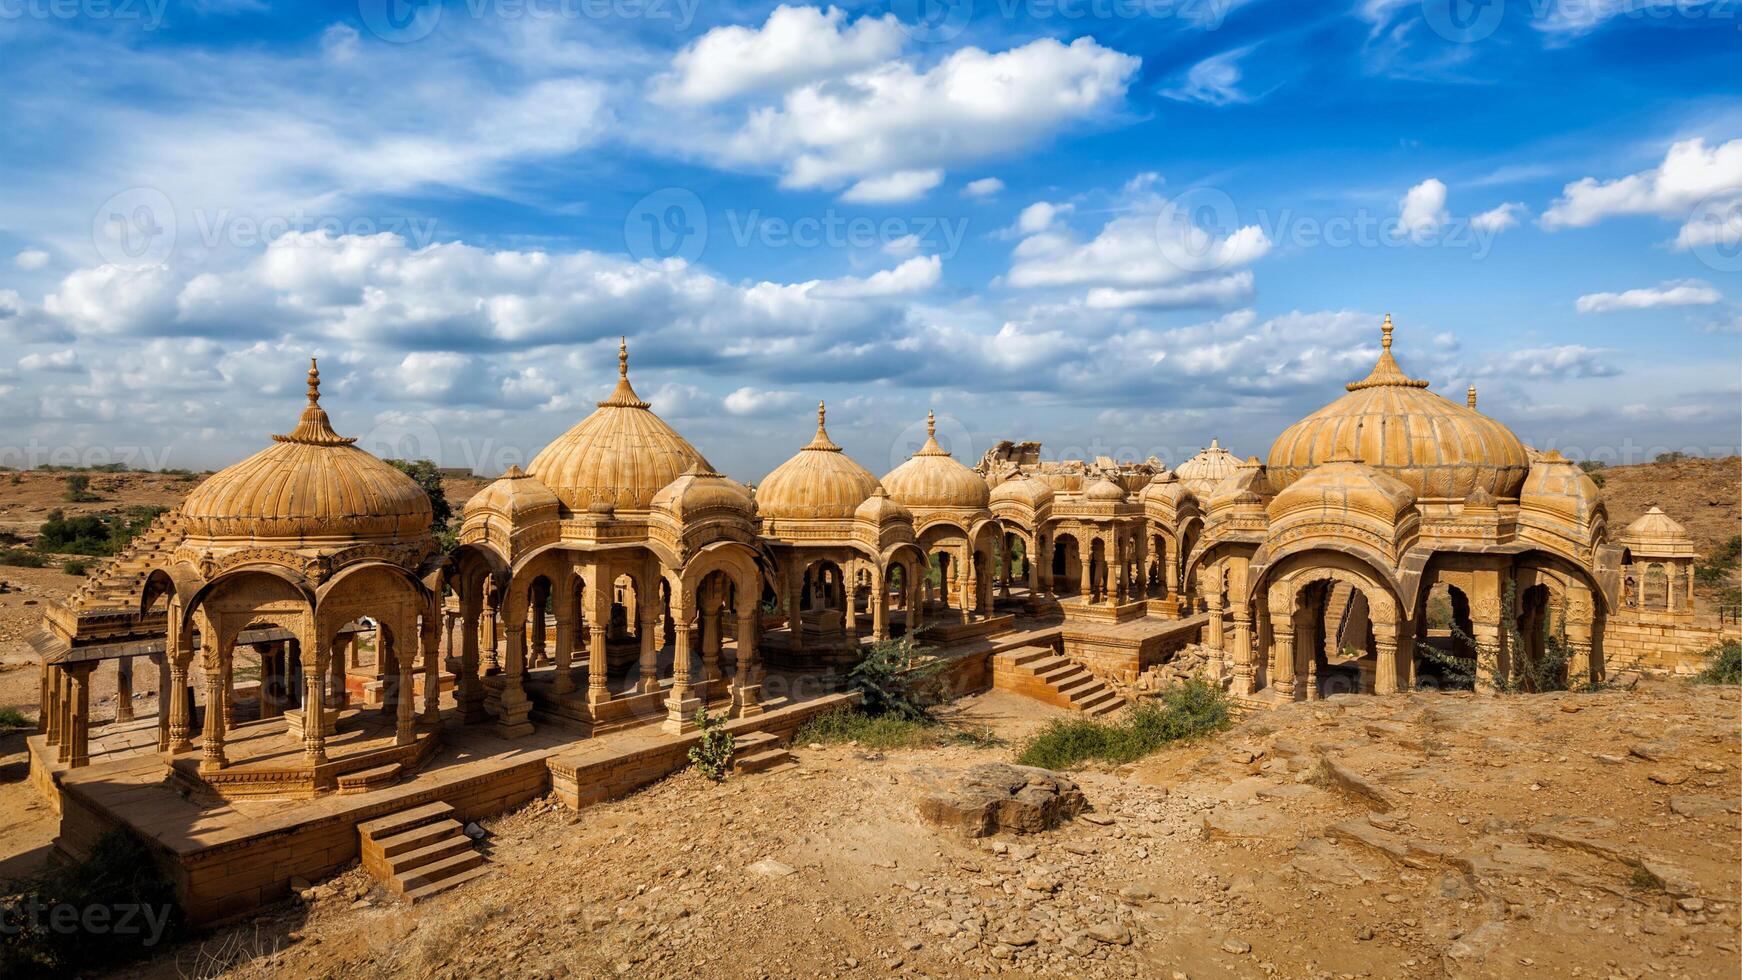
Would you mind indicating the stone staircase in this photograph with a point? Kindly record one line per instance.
(421, 852)
(116, 581)
(755, 752)
(1042, 674)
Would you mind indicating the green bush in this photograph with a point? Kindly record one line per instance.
(712, 755)
(1715, 569)
(1186, 711)
(75, 568)
(119, 903)
(1723, 664)
(93, 534)
(19, 558)
(79, 489)
(1670, 457)
(12, 718)
(880, 733)
(896, 678)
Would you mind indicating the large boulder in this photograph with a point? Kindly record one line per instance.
(998, 797)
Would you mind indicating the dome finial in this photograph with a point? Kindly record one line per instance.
(1385, 333)
(314, 428)
(623, 357)
(822, 415)
(1386, 372)
(314, 382)
(623, 396)
(931, 423)
(1470, 396)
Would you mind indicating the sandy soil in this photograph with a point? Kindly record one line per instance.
(1446, 836)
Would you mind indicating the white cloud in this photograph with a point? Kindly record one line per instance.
(1213, 81)
(913, 276)
(756, 401)
(1687, 292)
(905, 245)
(60, 360)
(902, 185)
(1230, 290)
(1584, 16)
(1548, 363)
(984, 187)
(1696, 184)
(1422, 212)
(973, 105)
(1499, 219)
(795, 46)
(30, 259)
(1134, 251)
(1039, 216)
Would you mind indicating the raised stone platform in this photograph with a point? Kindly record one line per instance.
(1078, 610)
(1121, 651)
(950, 633)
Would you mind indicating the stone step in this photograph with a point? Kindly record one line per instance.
(368, 779)
(396, 823)
(403, 864)
(761, 761)
(1030, 656)
(1076, 684)
(1059, 671)
(412, 839)
(415, 895)
(434, 872)
(1106, 707)
(751, 742)
(1094, 698)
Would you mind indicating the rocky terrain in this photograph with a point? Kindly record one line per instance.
(1568, 835)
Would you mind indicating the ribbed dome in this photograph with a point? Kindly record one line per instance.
(1656, 534)
(819, 482)
(879, 509)
(932, 478)
(622, 454)
(1209, 467)
(1105, 490)
(1025, 490)
(516, 495)
(1394, 424)
(1345, 485)
(700, 490)
(312, 483)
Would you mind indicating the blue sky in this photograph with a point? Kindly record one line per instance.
(1120, 227)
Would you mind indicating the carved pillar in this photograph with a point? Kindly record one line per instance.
(63, 722)
(336, 695)
(124, 689)
(227, 670)
(1385, 646)
(487, 636)
(514, 706)
(469, 691)
(879, 607)
(682, 704)
(710, 652)
(652, 639)
(316, 664)
(1282, 654)
(1086, 584)
(180, 703)
(430, 634)
(747, 696)
(1305, 654)
(1243, 654)
(405, 702)
(164, 689)
(212, 738)
(80, 704)
(598, 678)
(564, 682)
(1214, 638)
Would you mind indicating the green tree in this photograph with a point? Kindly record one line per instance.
(425, 474)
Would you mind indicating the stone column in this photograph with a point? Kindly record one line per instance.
(710, 653)
(598, 668)
(50, 719)
(314, 706)
(271, 679)
(747, 696)
(651, 637)
(431, 637)
(63, 713)
(1214, 638)
(164, 688)
(536, 655)
(514, 706)
(212, 738)
(228, 672)
(469, 691)
(1303, 651)
(1385, 653)
(405, 696)
(337, 695)
(1242, 639)
(564, 681)
(80, 703)
(180, 704)
(124, 689)
(879, 607)
(1282, 653)
(450, 636)
(1086, 585)
(682, 705)
(487, 636)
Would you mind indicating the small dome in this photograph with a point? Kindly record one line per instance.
(700, 490)
(312, 483)
(1164, 487)
(1247, 484)
(1024, 490)
(517, 496)
(1106, 491)
(819, 482)
(1555, 486)
(1657, 535)
(621, 454)
(1345, 485)
(1392, 423)
(932, 478)
(880, 509)
(1204, 471)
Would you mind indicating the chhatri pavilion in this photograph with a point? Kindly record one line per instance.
(618, 586)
